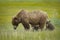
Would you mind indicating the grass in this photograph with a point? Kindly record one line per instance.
(30, 35)
(10, 9)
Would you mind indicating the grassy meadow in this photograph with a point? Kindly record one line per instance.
(9, 9)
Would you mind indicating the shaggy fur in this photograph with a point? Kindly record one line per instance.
(34, 18)
(49, 25)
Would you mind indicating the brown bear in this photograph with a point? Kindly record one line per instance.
(34, 18)
(49, 25)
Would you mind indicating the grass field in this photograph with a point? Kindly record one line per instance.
(10, 9)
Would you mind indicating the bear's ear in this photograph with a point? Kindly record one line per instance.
(15, 18)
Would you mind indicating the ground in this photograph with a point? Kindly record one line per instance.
(10, 9)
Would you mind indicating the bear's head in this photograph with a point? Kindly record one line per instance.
(15, 22)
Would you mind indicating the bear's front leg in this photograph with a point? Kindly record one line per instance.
(26, 26)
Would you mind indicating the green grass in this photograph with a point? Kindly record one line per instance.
(10, 9)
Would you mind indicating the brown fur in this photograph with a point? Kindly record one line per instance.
(33, 18)
(49, 25)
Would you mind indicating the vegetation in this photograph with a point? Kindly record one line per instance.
(9, 9)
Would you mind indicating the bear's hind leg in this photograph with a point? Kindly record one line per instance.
(41, 26)
(35, 27)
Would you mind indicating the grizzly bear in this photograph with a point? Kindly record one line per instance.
(34, 18)
(49, 25)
